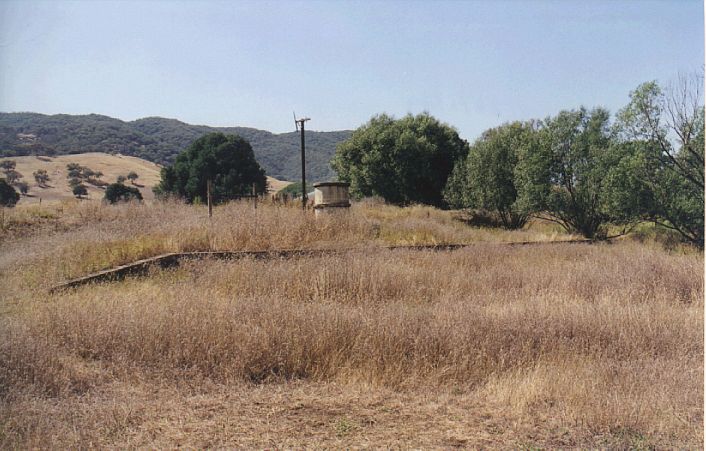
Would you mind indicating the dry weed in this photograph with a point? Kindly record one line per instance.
(595, 345)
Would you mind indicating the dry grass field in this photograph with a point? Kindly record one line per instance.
(555, 345)
(110, 165)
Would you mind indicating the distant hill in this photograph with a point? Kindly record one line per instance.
(159, 140)
(57, 189)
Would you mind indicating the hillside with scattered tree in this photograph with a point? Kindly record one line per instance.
(159, 140)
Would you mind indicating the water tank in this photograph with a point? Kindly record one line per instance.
(331, 197)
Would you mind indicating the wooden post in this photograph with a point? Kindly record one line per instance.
(254, 196)
(300, 123)
(303, 169)
(208, 198)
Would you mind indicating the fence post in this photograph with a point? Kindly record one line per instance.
(208, 197)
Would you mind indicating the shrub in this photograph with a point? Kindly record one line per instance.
(8, 195)
(118, 192)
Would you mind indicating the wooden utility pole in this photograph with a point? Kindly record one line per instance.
(300, 124)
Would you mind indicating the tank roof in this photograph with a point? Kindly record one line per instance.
(316, 185)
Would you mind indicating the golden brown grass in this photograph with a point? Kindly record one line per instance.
(57, 188)
(112, 166)
(568, 345)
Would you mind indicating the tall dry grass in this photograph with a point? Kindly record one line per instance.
(602, 344)
(74, 239)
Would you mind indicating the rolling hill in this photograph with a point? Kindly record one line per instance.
(111, 166)
(159, 140)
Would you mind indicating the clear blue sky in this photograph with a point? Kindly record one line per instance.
(472, 64)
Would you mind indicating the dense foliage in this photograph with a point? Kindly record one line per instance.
(8, 195)
(160, 140)
(79, 190)
(118, 192)
(485, 178)
(401, 160)
(667, 127)
(593, 177)
(570, 177)
(227, 161)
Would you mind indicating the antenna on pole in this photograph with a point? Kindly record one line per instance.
(299, 124)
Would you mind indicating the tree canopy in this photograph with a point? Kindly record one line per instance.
(79, 190)
(8, 195)
(667, 127)
(227, 160)
(569, 169)
(404, 160)
(118, 192)
(485, 178)
(41, 176)
(565, 177)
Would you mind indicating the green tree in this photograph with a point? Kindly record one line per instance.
(74, 171)
(293, 189)
(23, 187)
(87, 172)
(565, 178)
(8, 195)
(79, 190)
(12, 176)
(120, 179)
(668, 124)
(73, 182)
(227, 161)
(485, 178)
(118, 192)
(132, 176)
(41, 176)
(404, 161)
(8, 165)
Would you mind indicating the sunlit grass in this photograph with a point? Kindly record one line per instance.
(595, 345)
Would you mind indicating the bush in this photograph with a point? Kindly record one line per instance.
(8, 195)
(118, 192)
(79, 190)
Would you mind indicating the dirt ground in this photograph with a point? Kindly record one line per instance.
(296, 415)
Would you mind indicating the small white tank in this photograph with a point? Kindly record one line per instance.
(330, 197)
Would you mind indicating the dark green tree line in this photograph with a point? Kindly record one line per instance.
(592, 176)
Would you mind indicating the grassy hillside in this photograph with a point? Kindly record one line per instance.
(159, 140)
(550, 346)
(110, 165)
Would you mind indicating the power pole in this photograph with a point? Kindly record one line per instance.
(299, 123)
